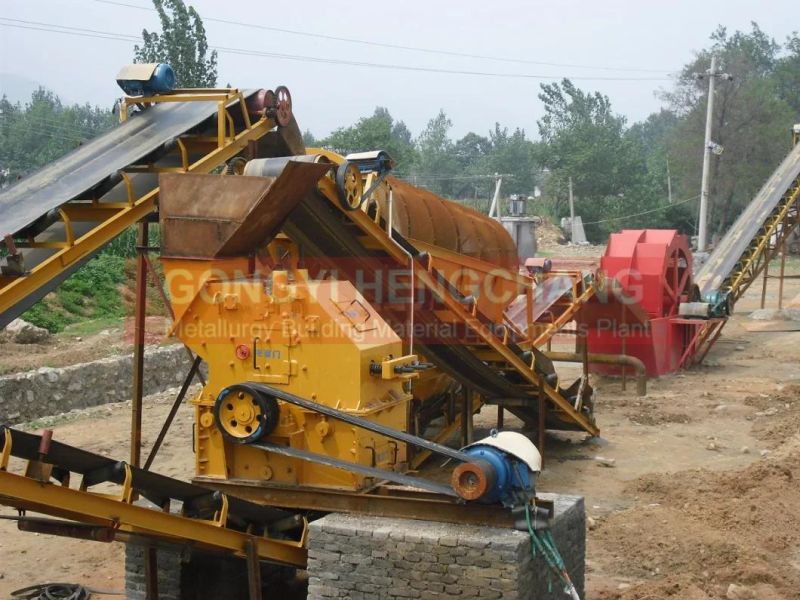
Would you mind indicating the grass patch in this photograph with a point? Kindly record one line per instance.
(91, 293)
(90, 327)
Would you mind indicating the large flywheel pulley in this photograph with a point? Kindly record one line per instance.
(244, 416)
(349, 185)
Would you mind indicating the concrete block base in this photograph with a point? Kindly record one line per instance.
(195, 576)
(370, 557)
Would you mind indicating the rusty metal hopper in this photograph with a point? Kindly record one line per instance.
(212, 216)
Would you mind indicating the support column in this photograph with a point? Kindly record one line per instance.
(764, 283)
(253, 571)
(140, 311)
(466, 418)
(782, 272)
(151, 573)
(541, 419)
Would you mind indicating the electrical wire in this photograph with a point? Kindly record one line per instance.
(48, 126)
(26, 119)
(93, 33)
(374, 43)
(448, 177)
(38, 130)
(646, 212)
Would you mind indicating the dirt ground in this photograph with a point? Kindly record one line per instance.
(701, 501)
(78, 344)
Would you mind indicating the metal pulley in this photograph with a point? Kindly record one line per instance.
(245, 416)
(349, 185)
(349, 176)
(279, 106)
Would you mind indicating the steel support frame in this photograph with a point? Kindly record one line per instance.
(780, 224)
(382, 501)
(63, 502)
(140, 311)
(705, 334)
(557, 324)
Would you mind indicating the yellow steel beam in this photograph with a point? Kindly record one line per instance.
(21, 287)
(85, 507)
(94, 212)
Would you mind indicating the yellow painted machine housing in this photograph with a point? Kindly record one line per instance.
(251, 321)
(315, 339)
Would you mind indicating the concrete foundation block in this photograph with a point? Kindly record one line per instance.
(184, 575)
(371, 557)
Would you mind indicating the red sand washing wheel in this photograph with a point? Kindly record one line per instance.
(648, 273)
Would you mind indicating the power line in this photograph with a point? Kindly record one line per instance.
(397, 46)
(646, 212)
(449, 177)
(91, 33)
(23, 118)
(95, 32)
(37, 130)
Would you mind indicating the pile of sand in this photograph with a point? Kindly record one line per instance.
(733, 535)
(549, 235)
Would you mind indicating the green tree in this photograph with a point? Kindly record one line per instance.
(470, 152)
(437, 167)
(787, 73)
(43, 130)
(377, 132)
(182, 44)
(583, 139)
(512, 153)
(309, 141)
(751, 122)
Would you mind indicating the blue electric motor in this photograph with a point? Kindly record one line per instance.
(720, 303)
(503, 469)
(146, 79)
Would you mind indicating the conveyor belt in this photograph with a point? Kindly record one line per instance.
(737, 244)
(325, 231)
(97, 160)
(64, 213)
(158, 489)
(207, 518)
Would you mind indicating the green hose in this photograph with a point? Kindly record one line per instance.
(542, 541)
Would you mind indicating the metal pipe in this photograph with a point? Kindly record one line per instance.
(607, 359)
(173, 411)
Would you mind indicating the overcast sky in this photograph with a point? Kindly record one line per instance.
(645, 40)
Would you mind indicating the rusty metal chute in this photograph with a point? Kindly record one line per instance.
(422, 215)
(207, 216)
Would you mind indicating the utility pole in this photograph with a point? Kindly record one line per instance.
(669, 184)
(494, 209)
(708, 147)
(571, 213)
